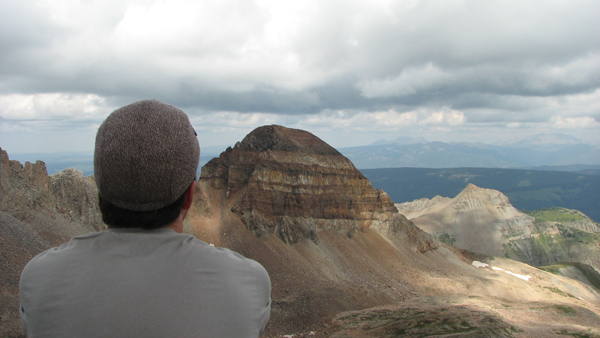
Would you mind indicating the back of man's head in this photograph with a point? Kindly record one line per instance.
(146, 157)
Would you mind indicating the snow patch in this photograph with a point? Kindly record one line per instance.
(523, 277)
(478, 264)
(311, 333)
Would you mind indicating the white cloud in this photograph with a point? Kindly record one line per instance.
(52, 106)
(383, 120)
(222, 121)
(451, 118)
(584, 122)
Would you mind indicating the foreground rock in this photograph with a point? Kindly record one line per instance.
(37, 212)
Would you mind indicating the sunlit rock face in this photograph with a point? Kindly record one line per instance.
(29, 194)
(477, 219)
(483, 220)
(291, 183)
(494, 207)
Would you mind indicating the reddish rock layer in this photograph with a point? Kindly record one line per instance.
(291, 183)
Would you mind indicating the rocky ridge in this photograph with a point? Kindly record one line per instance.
(477, 219)
(37, 212)
(27, 192)
(483, 220)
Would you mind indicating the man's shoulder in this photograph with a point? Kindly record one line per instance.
(221, 254)
(56, 252)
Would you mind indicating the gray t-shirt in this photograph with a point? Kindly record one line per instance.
(138, 283)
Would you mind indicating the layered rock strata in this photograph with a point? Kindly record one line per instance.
(291, 183)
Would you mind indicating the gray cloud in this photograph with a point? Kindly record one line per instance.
(496, 62)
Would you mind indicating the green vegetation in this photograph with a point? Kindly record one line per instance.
(568, 244)
(438, 321)
(556, 214)
(433, 322)
(564, 309)
(536, 250)
(576, 334)
(589, 272)
(447, 238)
(559, 292)
(578, 235)
(554, 268)
(512, 250)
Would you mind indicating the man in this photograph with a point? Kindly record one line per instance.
(144, 277)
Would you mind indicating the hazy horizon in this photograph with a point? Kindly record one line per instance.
(219, 148)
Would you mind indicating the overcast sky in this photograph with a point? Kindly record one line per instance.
(349, 71)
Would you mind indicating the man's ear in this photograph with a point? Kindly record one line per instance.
(189, 196)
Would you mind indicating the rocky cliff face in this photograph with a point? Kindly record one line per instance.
(585, 224)
(37, 212)
(28, 193)
(290, 183)
(418, 207)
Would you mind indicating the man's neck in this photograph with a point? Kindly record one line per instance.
(177, 224)
(178, 228)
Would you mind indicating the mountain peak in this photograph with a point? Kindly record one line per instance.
(399, 140)
(475, 197)
(545, 141)
(280, 138)
(290, 183)
(471, 186)
(478, 218)
(556, 138)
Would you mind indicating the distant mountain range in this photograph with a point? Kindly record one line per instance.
(542, 151)
(544, 142)
(84, 161)
(526, 189)
(538, 150)
(399, 140)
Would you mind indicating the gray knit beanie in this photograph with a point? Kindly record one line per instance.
(146, 156)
